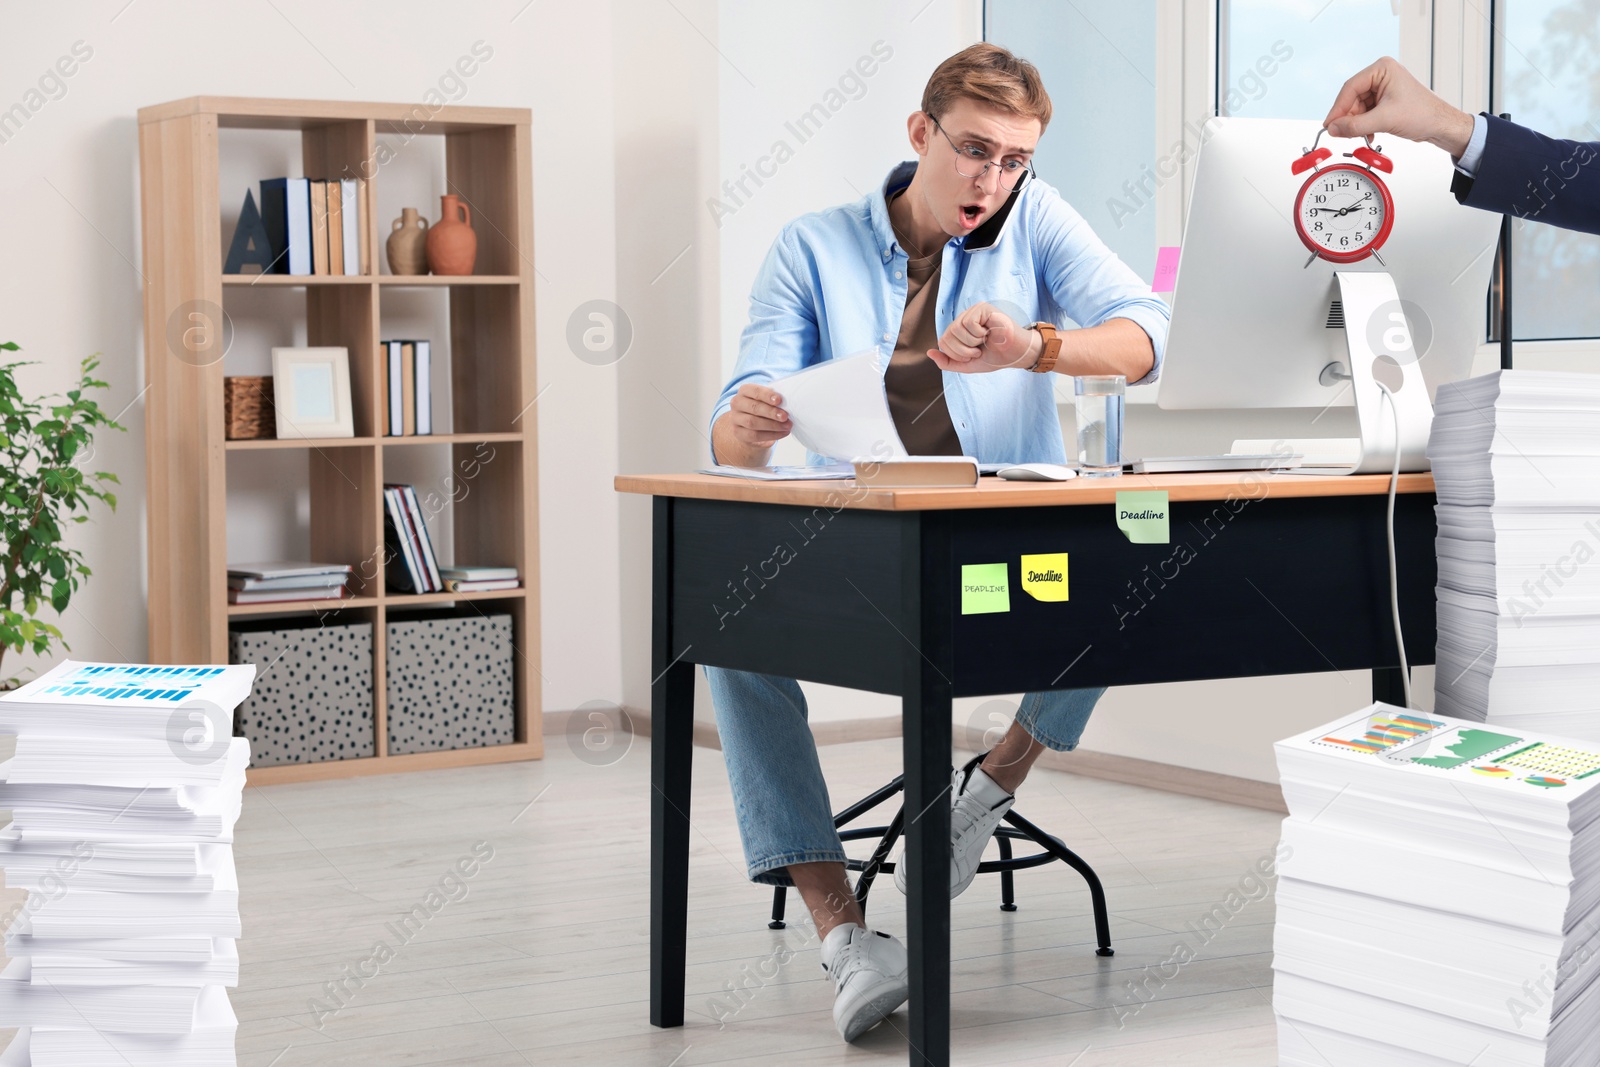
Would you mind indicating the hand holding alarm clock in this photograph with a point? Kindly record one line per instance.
(1343, 212)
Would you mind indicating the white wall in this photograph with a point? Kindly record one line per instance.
(71, 277)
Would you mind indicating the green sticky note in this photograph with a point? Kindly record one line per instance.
(984, 588)
(1142, 517)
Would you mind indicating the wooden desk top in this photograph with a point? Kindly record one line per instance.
(996, 493)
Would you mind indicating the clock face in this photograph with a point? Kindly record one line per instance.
(1343, 213)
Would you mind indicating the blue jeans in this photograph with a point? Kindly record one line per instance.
(778, 793)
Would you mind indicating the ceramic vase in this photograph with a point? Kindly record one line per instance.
(452, 246)
(408, 243)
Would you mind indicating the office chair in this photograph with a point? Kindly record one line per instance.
(1019, 830)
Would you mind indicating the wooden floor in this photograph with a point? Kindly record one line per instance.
(540, 956)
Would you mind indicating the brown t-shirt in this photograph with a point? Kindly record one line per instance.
(914, 382)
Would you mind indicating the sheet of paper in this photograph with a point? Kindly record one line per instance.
(839, 410)
(1166, 269)
(1142, 516)
(985, 588)
(1044, 576)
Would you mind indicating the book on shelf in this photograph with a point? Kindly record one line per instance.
(430, 563)
(316, 225)
(406, 536)
(409, 386)
(286, 214)
(307, 581)
(400, 568)
(335, 195)
(463, 572)
(285, 595)
(394, 358)
(479, 579)
(349, 210)
(463, 585)
(363, 213)
(319, 226)
(404, 524)
(286, 569)
(423, 396)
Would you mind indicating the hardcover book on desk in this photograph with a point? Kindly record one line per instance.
(1439, 894)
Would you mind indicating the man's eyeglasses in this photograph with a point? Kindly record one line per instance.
(976, 160)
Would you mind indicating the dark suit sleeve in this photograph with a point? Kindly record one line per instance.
(1531, 176)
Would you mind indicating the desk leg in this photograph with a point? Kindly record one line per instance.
(671, 763)
(926, 746)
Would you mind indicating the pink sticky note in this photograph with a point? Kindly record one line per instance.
(1166, 269)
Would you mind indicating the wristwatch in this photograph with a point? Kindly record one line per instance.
(1052, 348)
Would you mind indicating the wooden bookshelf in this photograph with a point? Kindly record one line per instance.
(488, 162)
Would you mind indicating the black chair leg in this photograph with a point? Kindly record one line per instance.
(879, 854)
(779, 897)
(1008, 893)
(1102, 924)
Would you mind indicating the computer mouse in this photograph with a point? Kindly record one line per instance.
(1037, 472)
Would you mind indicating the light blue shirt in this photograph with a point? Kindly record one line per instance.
(834, 286)
(1468, 163)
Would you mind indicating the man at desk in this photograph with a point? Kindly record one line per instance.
(1500, 166)
(956, 267)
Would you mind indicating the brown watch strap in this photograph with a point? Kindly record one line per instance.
(1052, 348)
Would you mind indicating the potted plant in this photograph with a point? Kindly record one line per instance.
(43, 488)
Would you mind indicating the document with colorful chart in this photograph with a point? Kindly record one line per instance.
(1472, 755)
(1438, 894)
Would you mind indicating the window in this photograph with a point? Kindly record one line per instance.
(1546, 75)
(1098, 62)
(1309, 47)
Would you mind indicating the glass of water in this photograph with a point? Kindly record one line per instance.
(1100, 399)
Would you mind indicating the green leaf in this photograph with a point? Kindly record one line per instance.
(60, 594)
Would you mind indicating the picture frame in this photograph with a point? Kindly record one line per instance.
(311, 388)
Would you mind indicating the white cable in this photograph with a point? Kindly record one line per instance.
(1394, 578)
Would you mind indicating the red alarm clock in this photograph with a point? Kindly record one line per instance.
(1343, 212)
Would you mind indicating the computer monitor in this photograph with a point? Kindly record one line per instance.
(1254, 324)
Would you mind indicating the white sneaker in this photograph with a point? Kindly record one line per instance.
(868, 968)
(977, 805)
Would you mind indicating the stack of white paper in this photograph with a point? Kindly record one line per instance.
(1439, 895)
(122, 784)
(1516, 462)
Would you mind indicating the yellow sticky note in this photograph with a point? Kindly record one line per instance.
(1044, 576)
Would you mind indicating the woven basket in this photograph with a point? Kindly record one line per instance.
(247, 407)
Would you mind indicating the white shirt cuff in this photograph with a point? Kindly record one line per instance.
(1468, 163)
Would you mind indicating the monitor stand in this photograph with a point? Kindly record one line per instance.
(1374, 327)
